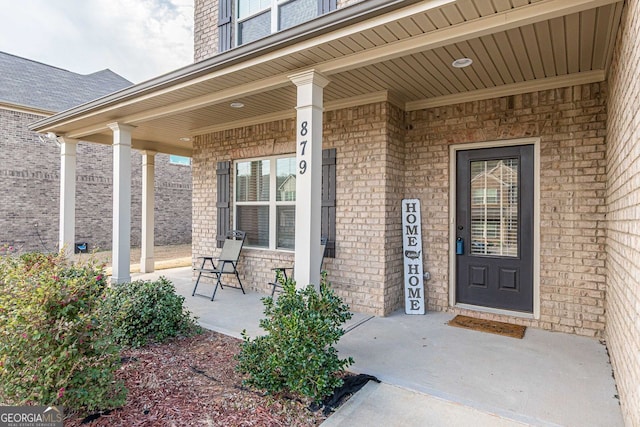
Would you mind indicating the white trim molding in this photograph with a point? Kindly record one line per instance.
(575, 79)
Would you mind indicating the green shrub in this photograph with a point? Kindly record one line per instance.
(53, 349)
(144, 312)
(297, 354)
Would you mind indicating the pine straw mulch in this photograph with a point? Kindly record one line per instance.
(192, 382)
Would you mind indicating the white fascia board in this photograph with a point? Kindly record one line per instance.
(25, 109)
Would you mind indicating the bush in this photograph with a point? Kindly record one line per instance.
(53, 349)
(144, 312)
(297, 354)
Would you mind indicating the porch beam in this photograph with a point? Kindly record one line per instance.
(67, 230)
(202, 101)
(368, 98)
(142, 144)
(147, 262)
(121, 247)
(310, 85)
(576, 79)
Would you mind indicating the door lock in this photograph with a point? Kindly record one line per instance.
(459, 246)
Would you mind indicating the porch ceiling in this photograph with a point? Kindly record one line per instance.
(403, 54)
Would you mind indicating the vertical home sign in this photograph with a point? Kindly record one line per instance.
(412, 254)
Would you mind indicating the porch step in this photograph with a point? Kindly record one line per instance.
(388, 405)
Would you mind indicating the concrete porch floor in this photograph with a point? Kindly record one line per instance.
(437, 375)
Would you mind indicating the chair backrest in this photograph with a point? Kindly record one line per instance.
(231, 248)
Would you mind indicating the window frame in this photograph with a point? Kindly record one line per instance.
(252, 15)
(172, 160)
(274, 8)
(272, 203)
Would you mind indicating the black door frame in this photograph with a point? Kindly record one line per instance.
(453, 149)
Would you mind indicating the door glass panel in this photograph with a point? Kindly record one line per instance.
(494, 207)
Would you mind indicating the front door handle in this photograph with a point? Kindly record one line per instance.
(459, 246)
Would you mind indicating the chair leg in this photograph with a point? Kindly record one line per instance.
(238, 277)
(196, 286)
(198, 279)
(216, 288)
(274, 284)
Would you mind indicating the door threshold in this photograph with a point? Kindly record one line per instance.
(491, 310)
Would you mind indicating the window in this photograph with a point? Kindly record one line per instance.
(179, 160)
(259, 18)
(265, 196)
(494, 207)
(481, 196)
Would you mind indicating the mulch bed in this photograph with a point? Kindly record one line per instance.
(192, 382)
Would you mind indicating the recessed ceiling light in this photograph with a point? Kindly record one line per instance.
(184, 139)
(462, 62)
(236, 105)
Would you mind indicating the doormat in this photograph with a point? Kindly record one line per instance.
(493, 327)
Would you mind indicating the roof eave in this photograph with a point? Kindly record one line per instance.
(319, 26)
(25, 108)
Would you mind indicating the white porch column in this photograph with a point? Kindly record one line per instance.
(308, 176)
(67, 231)
(148, 206)
(121, 246)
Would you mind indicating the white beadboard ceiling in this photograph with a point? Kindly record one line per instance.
(516, 46)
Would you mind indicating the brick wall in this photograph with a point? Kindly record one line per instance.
(205, 29)
(623, 202)
(30, 186)
(383, 157)
(364, 160)
(571, 125)
(394, 191)
(367, 254)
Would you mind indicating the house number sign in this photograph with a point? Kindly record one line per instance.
(412, 255)
(302, 165)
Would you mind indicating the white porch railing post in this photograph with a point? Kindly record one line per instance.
(310, 85)
(148, 206)
(121, 247)
(67, 231)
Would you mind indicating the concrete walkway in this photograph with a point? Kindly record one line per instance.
(436, 375)
(170, 256)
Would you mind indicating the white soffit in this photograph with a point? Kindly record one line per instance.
(517, 46)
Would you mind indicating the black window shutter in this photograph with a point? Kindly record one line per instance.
(224, 198)
(329, 200)
(224, 25)
(325, 6)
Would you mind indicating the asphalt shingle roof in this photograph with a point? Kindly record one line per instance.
(33, 84)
